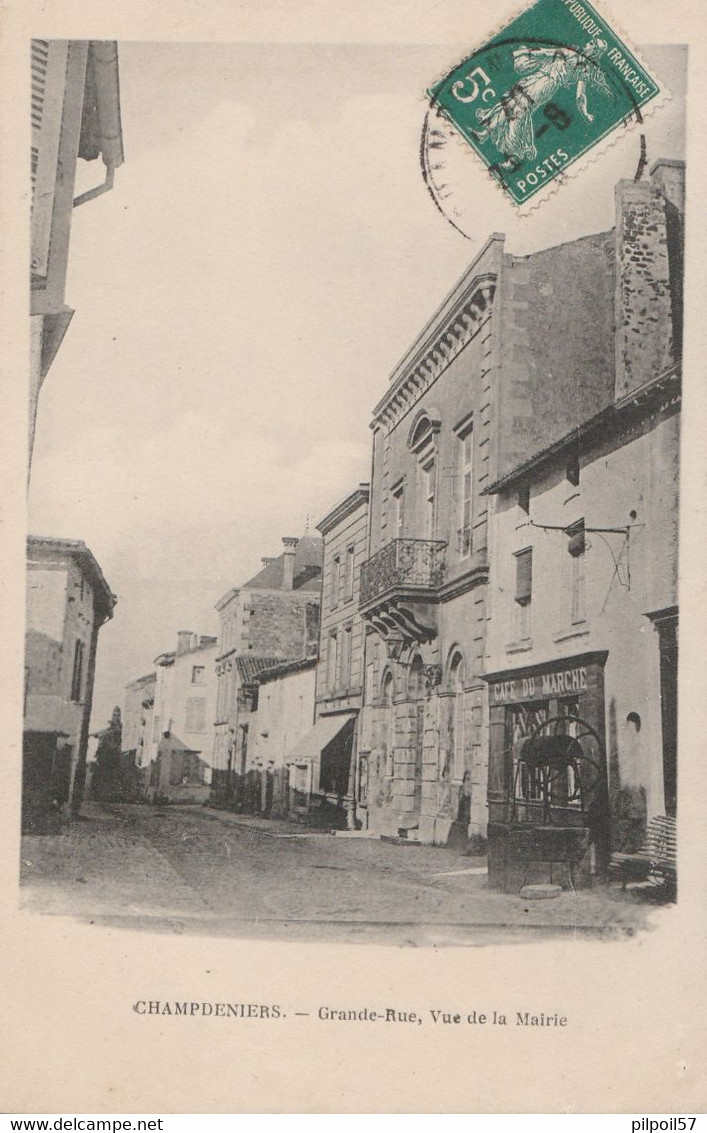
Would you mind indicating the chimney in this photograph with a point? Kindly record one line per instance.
(266, 560)
(646, 314)
(288, 561)
(184, 641)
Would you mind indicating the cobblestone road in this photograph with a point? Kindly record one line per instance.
(196, 870)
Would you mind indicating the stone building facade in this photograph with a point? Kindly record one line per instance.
(68, 600)
(271, 618)
(325, 775)
(521, 352)
(337, 772)
(138, 728)
(178, 754)
(279, 712)
(75, 114)
(583, 602)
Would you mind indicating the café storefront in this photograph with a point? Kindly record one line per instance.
(547, 778)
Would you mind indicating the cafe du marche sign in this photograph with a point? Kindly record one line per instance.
(562, 683)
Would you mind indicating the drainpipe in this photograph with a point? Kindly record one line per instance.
(99, 190)
(78, 778)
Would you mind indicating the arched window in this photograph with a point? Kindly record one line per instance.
(389, 742)
(456, 681)
(421, 440)
(425, 424)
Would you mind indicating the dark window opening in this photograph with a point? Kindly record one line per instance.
(524, 577)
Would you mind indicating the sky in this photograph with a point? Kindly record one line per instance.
(267, 255)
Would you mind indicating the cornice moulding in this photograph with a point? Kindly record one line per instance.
(436, 350)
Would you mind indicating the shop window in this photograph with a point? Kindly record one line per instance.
(522, 721)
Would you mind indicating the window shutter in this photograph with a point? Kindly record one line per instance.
(524, 577)
(577, 542)
(196, 714)
(49, 62)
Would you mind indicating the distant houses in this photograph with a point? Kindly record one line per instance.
(273, 617)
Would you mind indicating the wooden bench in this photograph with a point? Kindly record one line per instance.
(656, 862)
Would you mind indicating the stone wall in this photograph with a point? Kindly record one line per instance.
(648, 291)
(281, 623)
(556, 310)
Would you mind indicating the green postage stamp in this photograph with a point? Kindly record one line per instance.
(548, 88)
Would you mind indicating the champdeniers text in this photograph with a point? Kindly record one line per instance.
(219, 1010)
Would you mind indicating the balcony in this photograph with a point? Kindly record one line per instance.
(399, 587)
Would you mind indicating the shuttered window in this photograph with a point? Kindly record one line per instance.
(466, 487)
(77, 674)
(576, 545)
(399, 511)
(345, 659)
(196, 714)
(524, 576)
(39, 61)
(331, 661)
(350, 552)
(48, 61)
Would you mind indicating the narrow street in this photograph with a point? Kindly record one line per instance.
(192, 869)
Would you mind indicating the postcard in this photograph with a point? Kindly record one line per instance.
(352, 719)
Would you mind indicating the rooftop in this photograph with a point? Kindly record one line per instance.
(354, 500)
(285, 668)
(250, 667)
(308, 557)
(614, 414)
(76, 549)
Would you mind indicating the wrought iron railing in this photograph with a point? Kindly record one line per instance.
(403, 562)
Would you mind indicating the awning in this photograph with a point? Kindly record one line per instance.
(316, 739)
